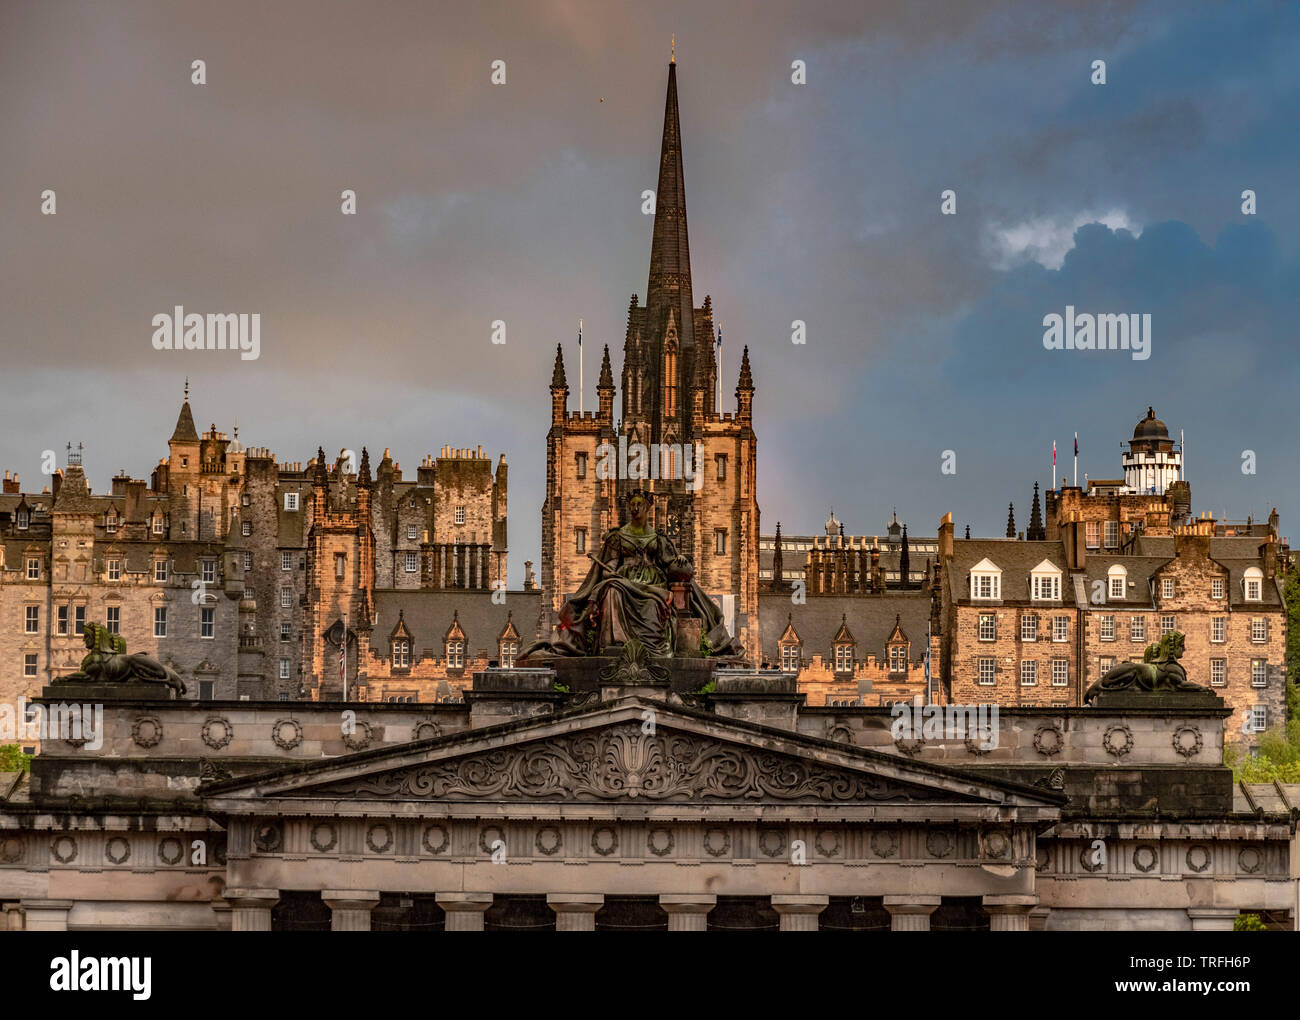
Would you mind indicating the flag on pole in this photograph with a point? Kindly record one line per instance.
(1076, 444)
(928, 689)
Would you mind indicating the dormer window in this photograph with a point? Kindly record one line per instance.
(1253, 585)
(898, 658)
(509, 649)
(986, 580)
(157, 525)
(843, 658)
(790, 647)
(455, 654)
(24, 519)
(1116, 582)
(1045, 582)
(110, 523)
(401, 654)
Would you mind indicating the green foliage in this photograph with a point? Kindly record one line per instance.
(562, 688)
(12, 759)
(1291, 592)
(705, 647)
(1277, 757)
(1249, 922)
(708, 688)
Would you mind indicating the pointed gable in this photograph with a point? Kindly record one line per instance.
(509, 632)
(454, 632)
(844, 636)
(400, 632)
(790, 636)
(898, 635)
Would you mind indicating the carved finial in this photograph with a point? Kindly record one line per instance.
(187, 387)
(672, 57)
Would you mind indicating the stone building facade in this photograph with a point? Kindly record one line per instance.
(224, 565)
(1036, 622)
(531, 808)
(670, 411)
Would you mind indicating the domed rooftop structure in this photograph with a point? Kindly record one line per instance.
(1150, 427)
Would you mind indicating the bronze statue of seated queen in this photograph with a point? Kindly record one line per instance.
(628, 594)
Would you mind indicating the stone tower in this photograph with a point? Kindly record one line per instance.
(673, 438)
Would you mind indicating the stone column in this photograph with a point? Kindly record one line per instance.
(251, 908)
(1203, 918)
(350, 910)
(46, 915)
(910, 911)
(575, 911)
(688, 911)
(799, 912)
(1009, 912)
(1038, 918)
(13, 917)
(464, 909)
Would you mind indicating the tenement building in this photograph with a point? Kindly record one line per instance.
(240, 573)
(672, 436)
(1035, 622)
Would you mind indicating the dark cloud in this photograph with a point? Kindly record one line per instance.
(522, 202)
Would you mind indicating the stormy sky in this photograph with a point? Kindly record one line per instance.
(522, 202)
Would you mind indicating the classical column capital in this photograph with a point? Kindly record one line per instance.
(799, 911)
(1212, 918)
(251, 908)
(350, 908)
(1009, 911)
(688, 911)
(46, 915)
(575, 911)
(464, 910)
(910, 911)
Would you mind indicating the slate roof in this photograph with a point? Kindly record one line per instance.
(1015, 558)
(428, 616)
(869, 617)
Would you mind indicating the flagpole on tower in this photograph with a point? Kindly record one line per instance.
(1076, 460)
(579, 366)
(717, 402)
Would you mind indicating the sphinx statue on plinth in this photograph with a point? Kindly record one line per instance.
(637, 588)
(108, 663)
(1159, 670)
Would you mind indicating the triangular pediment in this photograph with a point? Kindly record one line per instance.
(610, 755)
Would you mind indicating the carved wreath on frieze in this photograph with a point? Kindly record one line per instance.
(624, 762)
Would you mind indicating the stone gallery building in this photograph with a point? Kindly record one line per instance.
(636, 806)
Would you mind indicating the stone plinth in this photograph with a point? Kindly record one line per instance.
(91, 693)
(1156, 701)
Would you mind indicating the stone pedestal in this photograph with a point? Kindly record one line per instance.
(575, 911)
(464, 910)
(91, 693)
(688, 911)
(250, 909)
(799, 912)
(1009, 912)
(350, 909)
(911, 912)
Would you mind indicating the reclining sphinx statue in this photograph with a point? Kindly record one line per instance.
(108, 663)
(1159, 670)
